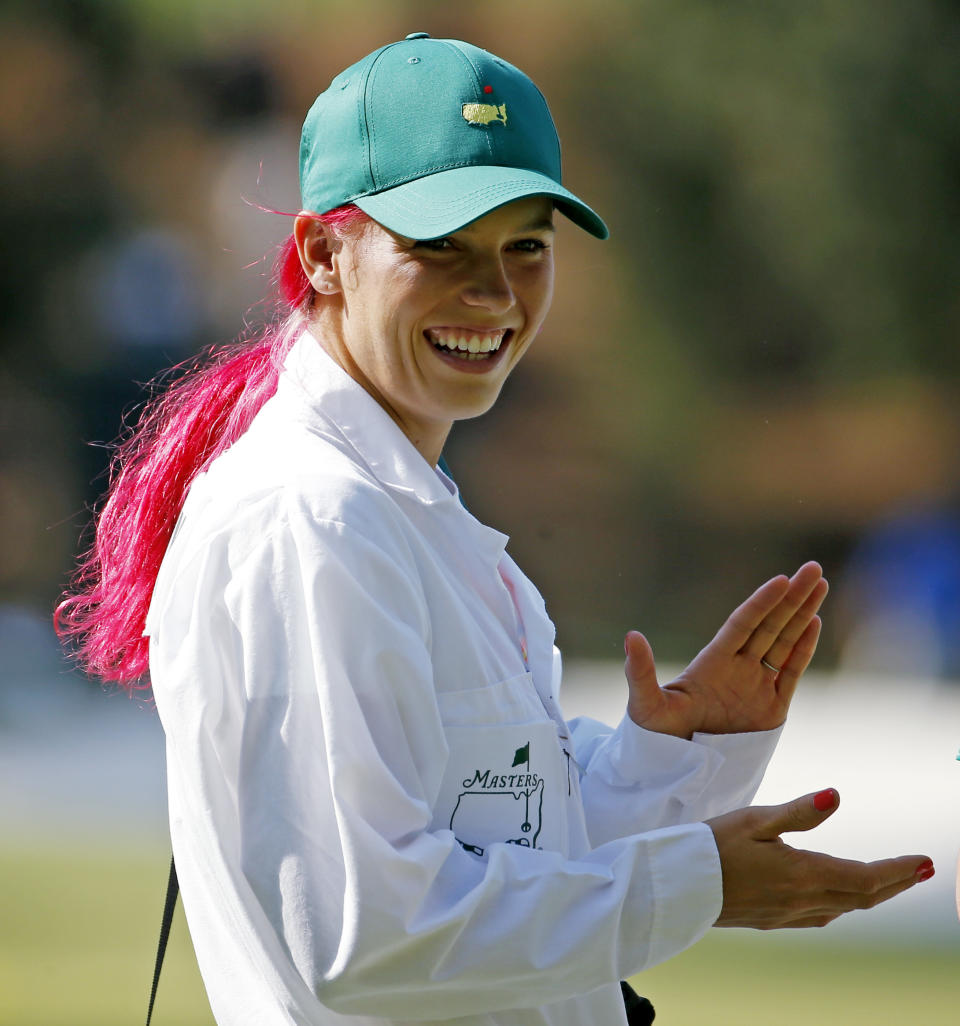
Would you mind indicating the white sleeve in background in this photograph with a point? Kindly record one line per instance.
(306, 749)
(633, 779)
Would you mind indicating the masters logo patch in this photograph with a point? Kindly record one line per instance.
(506, 803)
(484, 113)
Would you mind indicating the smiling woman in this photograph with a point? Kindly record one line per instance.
(378, 811)
(432, 329)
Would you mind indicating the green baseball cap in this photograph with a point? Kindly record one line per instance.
(426, 135)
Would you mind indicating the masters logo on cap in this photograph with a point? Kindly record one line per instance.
(484, 113)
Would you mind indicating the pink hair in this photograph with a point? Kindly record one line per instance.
(207, 406)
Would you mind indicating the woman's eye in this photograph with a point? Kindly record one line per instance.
(530, 245)
(446, 243)
(437, 245)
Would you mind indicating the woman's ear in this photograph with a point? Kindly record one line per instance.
(318, 245)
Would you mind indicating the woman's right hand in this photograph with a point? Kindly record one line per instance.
(767, 885)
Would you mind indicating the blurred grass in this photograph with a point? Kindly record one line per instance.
(742, 978)
(80, 929)
(79, 937)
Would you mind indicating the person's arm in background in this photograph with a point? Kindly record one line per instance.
(958, 886)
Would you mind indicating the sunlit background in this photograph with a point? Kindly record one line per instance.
(760, 367)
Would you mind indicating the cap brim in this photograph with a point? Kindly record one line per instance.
(444, 202)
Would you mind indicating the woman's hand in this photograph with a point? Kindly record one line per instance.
(745, 678)
(767, 885)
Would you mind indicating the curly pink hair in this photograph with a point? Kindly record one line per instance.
(206, 406)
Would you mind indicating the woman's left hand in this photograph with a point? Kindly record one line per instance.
(745, 678)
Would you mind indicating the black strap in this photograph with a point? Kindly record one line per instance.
(639, 1010)
(173, 889)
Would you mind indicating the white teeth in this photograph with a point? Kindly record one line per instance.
(469, 345)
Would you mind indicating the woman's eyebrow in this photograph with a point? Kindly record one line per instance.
(544, 224)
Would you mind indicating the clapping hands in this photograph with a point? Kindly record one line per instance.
(743, 681)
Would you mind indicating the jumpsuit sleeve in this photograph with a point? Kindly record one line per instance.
(634, 779)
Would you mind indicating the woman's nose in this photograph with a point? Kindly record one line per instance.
(489, 287)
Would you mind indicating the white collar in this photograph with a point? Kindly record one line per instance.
(346, 406)
(343, 407)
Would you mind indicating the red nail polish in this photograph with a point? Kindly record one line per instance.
(925, 870)
(825, 800)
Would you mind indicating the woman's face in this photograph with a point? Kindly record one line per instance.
(432, 329)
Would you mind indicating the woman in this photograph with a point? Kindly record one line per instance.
(377, 809)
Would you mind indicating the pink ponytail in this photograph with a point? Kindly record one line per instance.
(201, 413)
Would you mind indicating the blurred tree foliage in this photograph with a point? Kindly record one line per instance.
(760, 364)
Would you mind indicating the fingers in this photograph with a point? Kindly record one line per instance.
(640, 668)
(800, 906)
(847, 884)
(664, 710)
(798, 660)
(641, 673)
(786, 639)
(786, 617)
(748, 616)
(837, 903)
(801, 814)
(881, 881)
(862, 885)
(754, 626)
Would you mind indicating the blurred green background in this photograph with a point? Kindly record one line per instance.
(760, 366)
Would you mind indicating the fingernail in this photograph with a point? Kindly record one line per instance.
(925, 870)
(825, 800)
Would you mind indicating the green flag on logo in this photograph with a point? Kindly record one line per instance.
(522, 755)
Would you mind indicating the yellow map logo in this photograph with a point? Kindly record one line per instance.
(484, 113)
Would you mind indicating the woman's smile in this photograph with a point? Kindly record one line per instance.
(470, 349)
